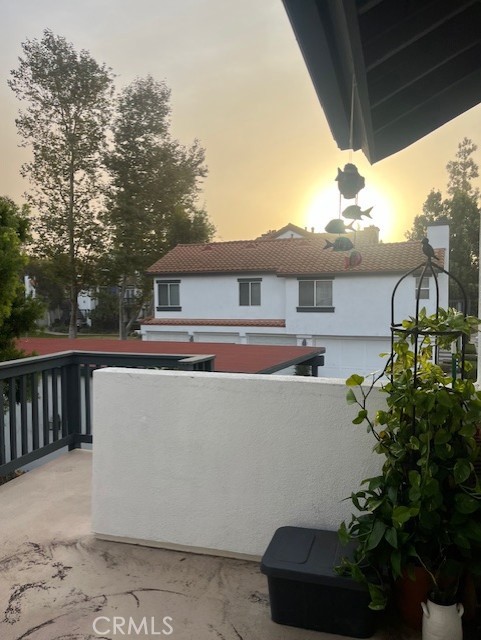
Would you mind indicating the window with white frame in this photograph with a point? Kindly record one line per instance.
(424, 290)
(168, 295)
(315, 295)
(249, 292)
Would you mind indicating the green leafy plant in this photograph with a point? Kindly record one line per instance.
(425, 506)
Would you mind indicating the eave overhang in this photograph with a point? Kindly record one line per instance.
(415, 65)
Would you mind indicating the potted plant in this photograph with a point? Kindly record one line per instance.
(423, 511)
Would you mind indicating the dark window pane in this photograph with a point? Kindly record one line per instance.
(323, 293)
(255, 293)
(424, 291)
(174, 295)
(306, 293)
(244, 293)
(163, 295)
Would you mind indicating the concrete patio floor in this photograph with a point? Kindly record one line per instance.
(56, 579)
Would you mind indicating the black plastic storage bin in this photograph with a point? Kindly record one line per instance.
(305, 591)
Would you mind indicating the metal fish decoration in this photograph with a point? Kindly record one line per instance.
(353, 260)
(349, 181)
(354, 212)
(339, 244)
(338, 226)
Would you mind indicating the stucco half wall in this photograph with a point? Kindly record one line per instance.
(217, 462)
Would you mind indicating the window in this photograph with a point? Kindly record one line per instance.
(315, 295)
(424, 290)
(249, 292)
(129, 295)
(168, 292)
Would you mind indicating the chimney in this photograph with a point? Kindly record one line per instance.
(438, 236)
(368, 236)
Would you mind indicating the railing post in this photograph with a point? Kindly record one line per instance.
(73, 404)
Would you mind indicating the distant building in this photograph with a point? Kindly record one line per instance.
(283, 289)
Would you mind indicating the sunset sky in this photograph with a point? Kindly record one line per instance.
(239, 84)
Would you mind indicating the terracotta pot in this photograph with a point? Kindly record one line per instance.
(410, 593)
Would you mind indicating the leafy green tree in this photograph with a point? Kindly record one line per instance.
(156, 181)
(66, 96)
(105, 316)
(460, 209)
(48, 275)
(17, 313)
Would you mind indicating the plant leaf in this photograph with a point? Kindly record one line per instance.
(355, 380)
(350, 397)
(376, 535)
(400, 515)
(462, 470)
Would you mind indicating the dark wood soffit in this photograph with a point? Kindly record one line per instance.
(417, 65)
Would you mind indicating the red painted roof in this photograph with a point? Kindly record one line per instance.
(219, 322)
(229, 358)
(288, 257)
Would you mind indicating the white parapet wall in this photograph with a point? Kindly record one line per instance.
(217, 462)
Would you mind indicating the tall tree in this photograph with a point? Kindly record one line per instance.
(155, 185)
(460, 209)
(67, 109)
(17, 313)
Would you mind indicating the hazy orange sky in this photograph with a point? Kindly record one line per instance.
(239, 85)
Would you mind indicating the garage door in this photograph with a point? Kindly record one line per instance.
(167, 336)
(265, 338)
(232, 338)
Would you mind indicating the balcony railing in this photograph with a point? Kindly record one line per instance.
(46, 401)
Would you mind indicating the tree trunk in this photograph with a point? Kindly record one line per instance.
(72, 329)
(122, 324)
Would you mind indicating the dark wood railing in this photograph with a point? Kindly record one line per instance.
(46, 401)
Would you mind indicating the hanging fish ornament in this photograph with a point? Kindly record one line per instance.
(353, 212)
(353, 260)
(338, 226)
(339, 244)
(349, 181)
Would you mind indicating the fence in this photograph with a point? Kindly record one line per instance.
(45, 401)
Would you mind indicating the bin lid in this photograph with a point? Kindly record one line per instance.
(308, 555)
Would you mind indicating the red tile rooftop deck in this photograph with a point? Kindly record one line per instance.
(229, 358)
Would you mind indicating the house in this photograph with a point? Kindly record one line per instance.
(369, 235)
(292, 291)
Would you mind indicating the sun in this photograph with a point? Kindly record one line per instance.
(323, 206)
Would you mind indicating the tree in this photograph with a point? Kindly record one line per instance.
(67, 109)
(17, 313)
(461, 211)
(155, 185)
(48, 275)
(105, 316)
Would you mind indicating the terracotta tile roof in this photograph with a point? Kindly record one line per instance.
(220, 322)
(289, 256)
(229, 358)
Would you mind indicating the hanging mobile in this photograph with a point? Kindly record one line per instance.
(349, 182)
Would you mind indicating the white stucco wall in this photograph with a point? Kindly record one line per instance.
(362, 304)
(218, 462)
(217, 296)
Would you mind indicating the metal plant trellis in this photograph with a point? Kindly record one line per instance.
(426, 269)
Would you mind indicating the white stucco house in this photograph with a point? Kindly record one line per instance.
(285, 288)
